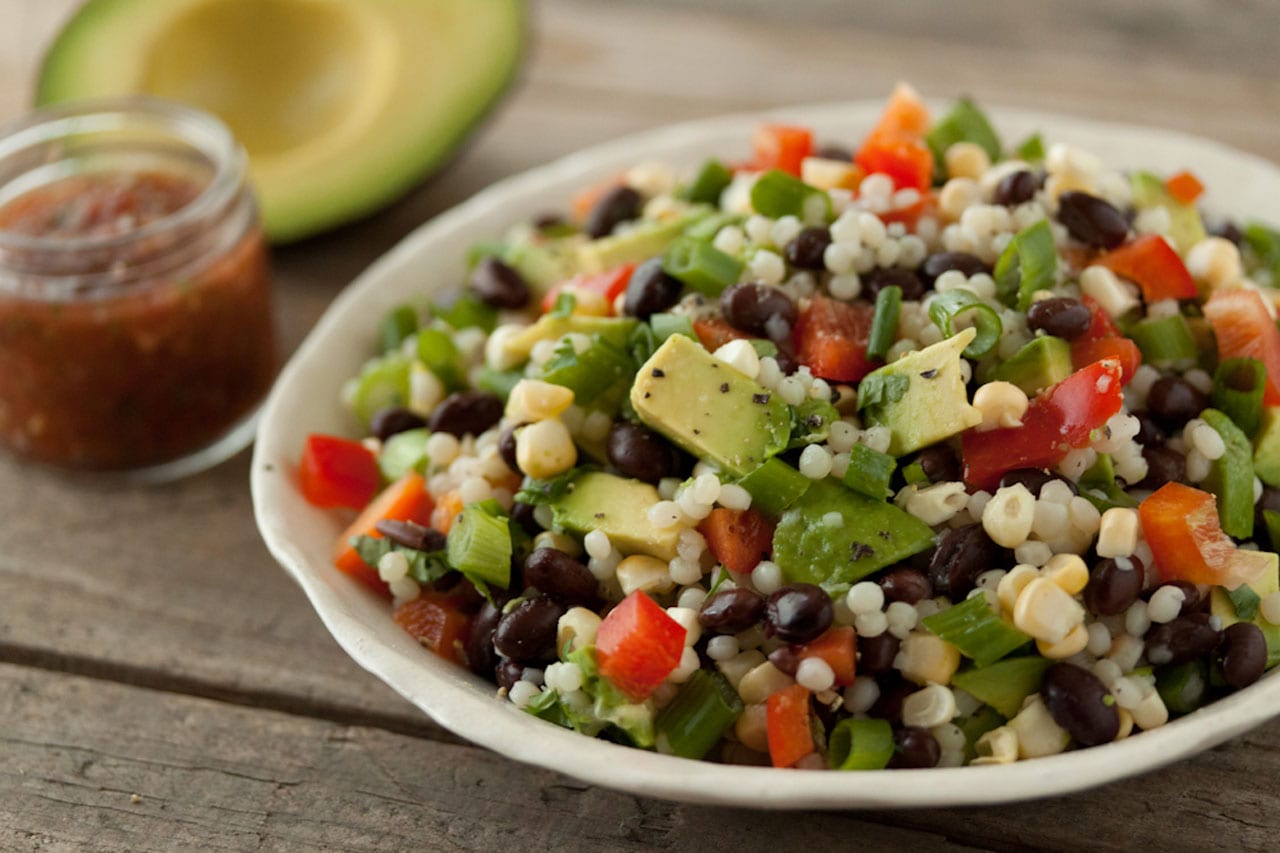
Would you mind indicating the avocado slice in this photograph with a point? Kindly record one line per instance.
(618, 506)
(1042, 362)
(1266, 447)
(342, 107)
(1186, 227)
(1220, 605)
(920, 397)
(708, 408)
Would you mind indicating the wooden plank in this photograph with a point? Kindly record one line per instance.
(74, 754)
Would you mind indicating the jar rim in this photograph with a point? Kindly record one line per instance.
(202, 131)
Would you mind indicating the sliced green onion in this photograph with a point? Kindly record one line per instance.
(707, 185)
(945, 307)
(977, 630)
(1238, 386)
(468, 311)
(861, 744)
(1165, 341)
(666, 325)
(590, 373)
(774, 486)
(479, 545)
(777, 193)
(964, 123)
(701, 266)
(1029, 263)
(1231, 476)
(1005, 684)
(499, 382)
(438, 352)
(1265, 243)
(884, 323)
(1098, 486)
(764, 348)
(1182, 687)
(708, 227)
(404, 452)
(1245, 600)
(870, 471)
(698, 716)
(978, 724)
(914, 475)
(1031, 149)
(382, 382)
(398, 324)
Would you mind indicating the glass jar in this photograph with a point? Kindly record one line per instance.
(136, 328)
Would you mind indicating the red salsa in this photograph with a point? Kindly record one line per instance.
(126, 353)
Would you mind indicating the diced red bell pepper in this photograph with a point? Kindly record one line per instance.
(1184, 187)
(838, 647)
(781, 146)
(896, 145)
(1059, 419)
(609, 284)
(1181, 525)
(787, 726)
(438, 621)
(1244, 329)
(1104, 340)
(831, 338)
(715, 332)
(1152, 264)
(638, 645)
(407, 499)
(739, 539)
(337, 472)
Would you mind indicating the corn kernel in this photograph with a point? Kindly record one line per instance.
(1072, 644)
(577, 628)
(1118, 532)
(1007, 517)
(1037, 732)
(545, 449)
(739, 665)
(1126, 723)
(967, 160)
(588, 303)
(956, 195)
(645, 573)
(998, 746)
(1150, 713)
(535, 400)
(1012, 584)
(927, 659)
(751, 727)
(1067, 571)
(1113, 295)
(828, 174)
(1215, 262)
(930, 706)
(1001, 404)
(1046, 612)
(762, 682)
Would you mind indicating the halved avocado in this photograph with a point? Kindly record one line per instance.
(343, 105)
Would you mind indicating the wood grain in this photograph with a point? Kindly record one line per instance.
(214, 691)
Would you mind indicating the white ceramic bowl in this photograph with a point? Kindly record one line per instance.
(305, 400)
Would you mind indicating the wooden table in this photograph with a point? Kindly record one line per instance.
(163, 684)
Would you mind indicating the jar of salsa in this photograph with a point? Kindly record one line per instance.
(136, 327)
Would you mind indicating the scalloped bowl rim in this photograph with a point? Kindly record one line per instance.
(305, 399)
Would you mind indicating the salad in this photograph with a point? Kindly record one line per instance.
(943, 449)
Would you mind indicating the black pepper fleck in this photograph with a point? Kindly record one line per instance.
(859, 550)
(724, 387)
(598, 515)
(760, 398)
(929, 374)
(886, 535)
(658, 373)
(697, 431)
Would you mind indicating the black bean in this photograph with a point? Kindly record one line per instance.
(1061, 316)
(650, 290)
(1091, 220)
(904, 583)
(618, 205)
(507, 447)
(731, 610)
(806, 250)
(545, 221)
(1016, 188)
(876, 654)
(1173, 401)
(481, 658)
(1228, 230)
(893, 690)
(524, 515)
(560, 576)
(1112, 588)
(392, 420)
(499, 285)
(528, 632)
(963, 554)
(507, 673)
(1244, 654)
(835, 151)
(939, 262)
(1034, 479)
(750, 307)
(798, 613)
(940, 463)
(1185, 638)
(1149, 432)
(639, 452)
(410, 534)
(914, 747)
(879, 278)
(786, 658)
(1163, 466)
(466, 412)
(1077, 700)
